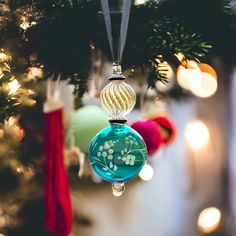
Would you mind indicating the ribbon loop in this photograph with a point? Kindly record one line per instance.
(123, 28)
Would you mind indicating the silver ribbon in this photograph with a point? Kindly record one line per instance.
(123, 28)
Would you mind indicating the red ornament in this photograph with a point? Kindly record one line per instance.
(167, 128)
(150, 133)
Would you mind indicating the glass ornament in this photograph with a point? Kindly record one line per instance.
(117, 98)
(118, 189)
(117, 154)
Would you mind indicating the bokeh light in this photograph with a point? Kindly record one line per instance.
(3, 56)
(138, 2)
(209, 220)
(208, 85)
(13, 86)
(2, 221)
(35, 72)
(189, 75)
(197, 135)
(146, 173)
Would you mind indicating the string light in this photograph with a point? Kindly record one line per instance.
(4, 68)
(11, 121)
(13, 86)
(146, 173)
(12, 128)
(35, 72)
(27, 16)
(14, 94)
(3, 56)
(139, 2)
(24, 23)
(20, 169)
(92, 46)
(209, 220)
(30, 92)
(27, 172)
(197, 135)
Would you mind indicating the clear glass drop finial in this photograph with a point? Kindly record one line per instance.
(118, 189)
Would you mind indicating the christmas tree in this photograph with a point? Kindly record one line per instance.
(67, 39)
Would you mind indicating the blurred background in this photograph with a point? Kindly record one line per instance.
(180, 61)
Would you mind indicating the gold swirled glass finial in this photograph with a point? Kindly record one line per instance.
(117, 98)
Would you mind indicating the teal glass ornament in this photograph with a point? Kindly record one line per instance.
(117, 153)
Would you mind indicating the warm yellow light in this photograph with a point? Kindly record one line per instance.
(11, 121)
(20, 169)
(146, 173)
(208, 85)
(12, 127)
(138, 2)
(209, 220)
(3, 56)
(3, 222)
(13, 86)
(25, 24)
(35, 72)
(197, 135)
(1, 133)
(189, 75)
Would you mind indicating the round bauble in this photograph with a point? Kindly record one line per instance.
(117, 153)
(151, 134)
(118, 99)
(188, 75)
(167, 128)
(208, 85)
(86, 122)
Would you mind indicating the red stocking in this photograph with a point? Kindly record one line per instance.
(57, 197)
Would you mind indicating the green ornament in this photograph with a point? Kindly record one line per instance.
(86, 123)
